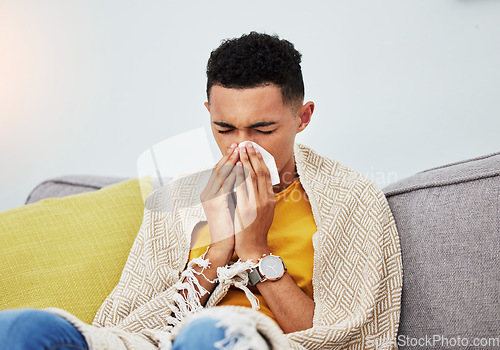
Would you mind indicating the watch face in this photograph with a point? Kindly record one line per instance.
(271, 267)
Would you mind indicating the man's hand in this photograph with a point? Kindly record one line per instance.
(216, 202)
(255, 205)
(293, 309)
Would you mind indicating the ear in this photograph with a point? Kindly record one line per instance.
(207, 106)
(304, 114)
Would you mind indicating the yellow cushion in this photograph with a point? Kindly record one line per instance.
(68, 252)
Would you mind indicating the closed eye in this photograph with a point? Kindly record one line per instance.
(262, 132)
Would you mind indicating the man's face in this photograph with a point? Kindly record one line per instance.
(254, 114)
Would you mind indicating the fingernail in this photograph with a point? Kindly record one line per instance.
(233, 145)
(257, 151)
(249, 144)
(235, 150)
(244, 150)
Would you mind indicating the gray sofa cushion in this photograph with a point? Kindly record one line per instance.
(448, 222)
(70, 184)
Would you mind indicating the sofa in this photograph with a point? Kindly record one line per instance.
(447, 218)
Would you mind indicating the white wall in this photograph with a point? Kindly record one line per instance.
(400, 86)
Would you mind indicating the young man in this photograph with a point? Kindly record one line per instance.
(311, 262)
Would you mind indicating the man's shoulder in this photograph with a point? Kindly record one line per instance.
(181, 192)
(327, 168)
(330, 174)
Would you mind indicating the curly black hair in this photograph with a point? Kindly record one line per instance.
(257, 59)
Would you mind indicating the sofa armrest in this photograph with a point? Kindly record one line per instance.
(448, 222)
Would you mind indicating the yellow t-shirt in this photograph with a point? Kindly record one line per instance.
(290, 236)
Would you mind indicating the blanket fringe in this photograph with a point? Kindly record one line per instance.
(237, 274)
(240, 334)
(189, 304)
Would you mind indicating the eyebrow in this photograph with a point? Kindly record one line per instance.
(254, 125)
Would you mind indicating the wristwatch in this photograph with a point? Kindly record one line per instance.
(269, 268)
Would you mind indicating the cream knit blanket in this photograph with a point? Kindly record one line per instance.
(357, 275)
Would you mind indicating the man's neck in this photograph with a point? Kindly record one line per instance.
(287, 176)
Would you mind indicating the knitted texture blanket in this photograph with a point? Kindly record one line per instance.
(357, 274)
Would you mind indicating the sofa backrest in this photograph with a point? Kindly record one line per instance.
(70, 184)
(448, 223)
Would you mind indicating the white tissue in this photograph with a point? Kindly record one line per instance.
(269, 160)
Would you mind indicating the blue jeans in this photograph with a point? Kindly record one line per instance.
(30, 329)
(206, 335)
(203, 334)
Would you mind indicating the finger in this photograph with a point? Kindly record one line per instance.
(241, 189)
(250, 179)
(215, 171)
(228, 183)
(267, 175)
(242, 197)
(246, 210)
(227, 156)
(220, 172)
(261, 170)
(226, 168)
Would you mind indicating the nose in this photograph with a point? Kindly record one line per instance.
(243, 140)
